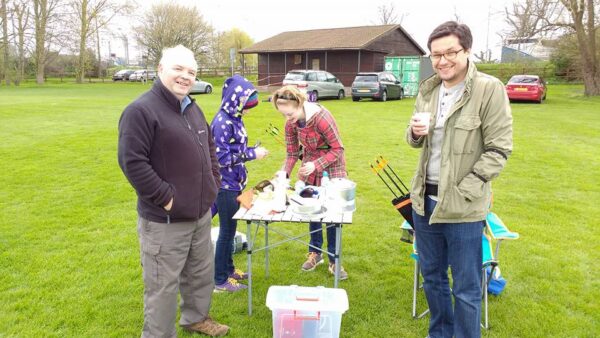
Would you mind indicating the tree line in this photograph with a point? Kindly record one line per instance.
(574, 22)
(36, 32)
(41, 35)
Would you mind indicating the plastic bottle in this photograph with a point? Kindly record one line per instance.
(299, 186)
(325, 179)
(279, 193)
(324, 184)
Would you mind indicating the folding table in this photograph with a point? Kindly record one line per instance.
(252, 217)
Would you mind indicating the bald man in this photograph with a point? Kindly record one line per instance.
(167, 153)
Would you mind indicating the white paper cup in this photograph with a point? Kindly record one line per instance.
(423, 118)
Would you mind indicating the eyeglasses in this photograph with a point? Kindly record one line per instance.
(451, 55)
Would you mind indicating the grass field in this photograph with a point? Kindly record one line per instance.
(69, 255)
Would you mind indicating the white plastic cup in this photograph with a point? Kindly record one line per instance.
(423, 118)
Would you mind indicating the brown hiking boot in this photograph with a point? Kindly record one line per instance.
(343, 273)
(208, 327)
(313, 259)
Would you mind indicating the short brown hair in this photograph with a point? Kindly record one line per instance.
(461, 31)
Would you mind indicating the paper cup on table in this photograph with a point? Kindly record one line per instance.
(423, 118)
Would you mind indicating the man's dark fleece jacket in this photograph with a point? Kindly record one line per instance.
(166, 154)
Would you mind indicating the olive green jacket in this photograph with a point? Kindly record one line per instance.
(477, 142)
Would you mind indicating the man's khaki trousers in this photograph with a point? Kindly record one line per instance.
(176, 257)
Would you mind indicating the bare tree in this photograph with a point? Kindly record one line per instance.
(5, 51)
(168, 24)
(216, 55)
(484, 56)
(585, 30)
(387, 15)
(21, 16)
(98, 55)
(45, 16)
(90, 16)
(455, 15)
(530, 18)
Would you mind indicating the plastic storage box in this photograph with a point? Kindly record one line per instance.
(239, 240)
(308, 312)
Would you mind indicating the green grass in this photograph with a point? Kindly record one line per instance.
(69, 255)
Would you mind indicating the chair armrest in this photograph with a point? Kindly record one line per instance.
(498, 229)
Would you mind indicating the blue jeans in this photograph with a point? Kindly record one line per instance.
(227, 206)
(457, 245)
(316, 239)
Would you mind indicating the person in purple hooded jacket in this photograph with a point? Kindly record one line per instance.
(231, 140)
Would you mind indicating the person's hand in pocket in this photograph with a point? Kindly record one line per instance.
(169, 205)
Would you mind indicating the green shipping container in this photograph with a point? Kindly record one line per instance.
(407, 69)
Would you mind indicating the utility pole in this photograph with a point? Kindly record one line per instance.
(126, 46)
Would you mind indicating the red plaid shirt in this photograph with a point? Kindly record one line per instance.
(321, 144)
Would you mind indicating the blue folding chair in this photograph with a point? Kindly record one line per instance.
(495, 230)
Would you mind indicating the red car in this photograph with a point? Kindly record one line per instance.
(526, 88)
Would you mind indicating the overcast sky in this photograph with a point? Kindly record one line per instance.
(263, 19)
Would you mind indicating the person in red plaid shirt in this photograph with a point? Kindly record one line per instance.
(311, 131)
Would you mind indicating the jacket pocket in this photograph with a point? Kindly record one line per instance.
(465, 200)
(465, 131)
(471, 187)
(151, 264)
(454, 205)
(151, 236)
(186, 199)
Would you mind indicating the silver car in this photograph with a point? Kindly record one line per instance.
(143, 75)
(201, 87)
(316, 83)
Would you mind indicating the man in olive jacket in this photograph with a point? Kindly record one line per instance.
(167, 153)
(465, 144)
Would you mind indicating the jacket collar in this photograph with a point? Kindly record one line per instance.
(159, 89)
(310, 110)
(430, 84)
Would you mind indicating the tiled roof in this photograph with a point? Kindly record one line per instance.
(324, 39)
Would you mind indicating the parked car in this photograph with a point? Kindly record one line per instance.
(316, 83)
(201, 87)
(378, 86)
(143, 74)
(134, 76)
(526, 88)
(122, 75)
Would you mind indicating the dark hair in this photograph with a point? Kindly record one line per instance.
(461, 31)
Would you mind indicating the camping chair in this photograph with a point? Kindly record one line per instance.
(495, 230)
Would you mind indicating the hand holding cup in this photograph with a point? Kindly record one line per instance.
(419, 123)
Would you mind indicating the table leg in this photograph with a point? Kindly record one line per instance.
(249, 256)
(267, 249)
(338, 254)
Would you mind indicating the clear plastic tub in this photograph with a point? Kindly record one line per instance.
(308, 312)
